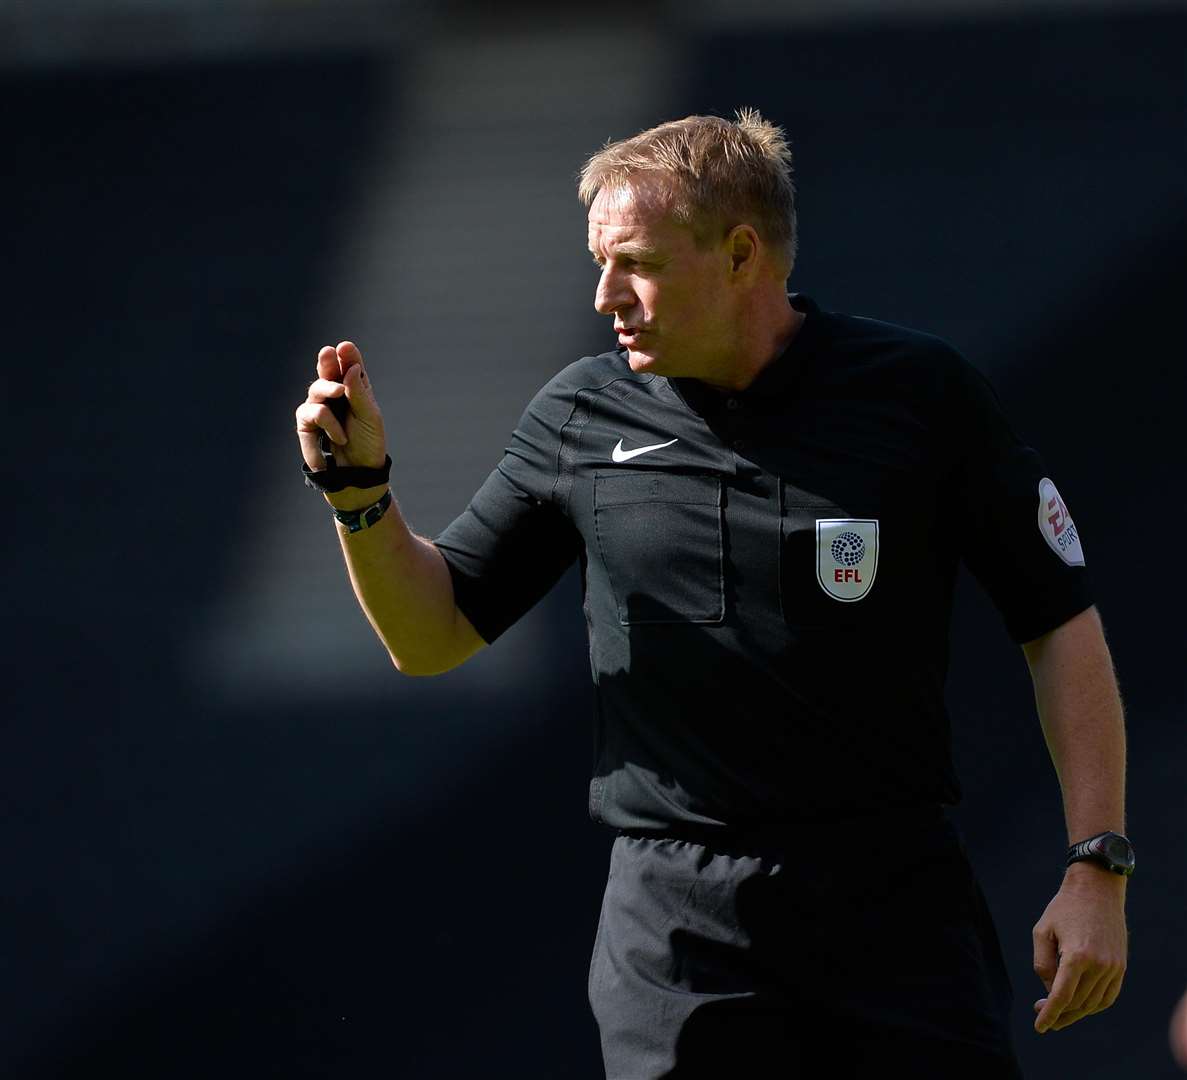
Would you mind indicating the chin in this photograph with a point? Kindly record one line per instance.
(641, 361)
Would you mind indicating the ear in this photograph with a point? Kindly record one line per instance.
(743, 246)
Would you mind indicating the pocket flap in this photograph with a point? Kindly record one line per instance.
(629, 488)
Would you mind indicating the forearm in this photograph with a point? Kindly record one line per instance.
(1080, 710)
(405, 590)
(1081, 942)
(400, 579)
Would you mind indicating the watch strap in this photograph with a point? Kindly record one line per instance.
(357, 520)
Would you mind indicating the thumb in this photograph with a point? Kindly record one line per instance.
(358, 392)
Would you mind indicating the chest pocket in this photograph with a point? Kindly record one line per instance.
(659, 538)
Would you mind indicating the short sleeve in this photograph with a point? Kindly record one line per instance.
(508, 548)
(1015, 532)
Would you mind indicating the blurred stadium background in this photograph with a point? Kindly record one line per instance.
(236, 841)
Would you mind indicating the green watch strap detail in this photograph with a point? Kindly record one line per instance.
(357, 520)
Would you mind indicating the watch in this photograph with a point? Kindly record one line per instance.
(1111, 850)
(357, 520)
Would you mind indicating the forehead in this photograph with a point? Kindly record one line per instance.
(636, 210)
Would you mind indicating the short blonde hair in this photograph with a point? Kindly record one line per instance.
(720, 173)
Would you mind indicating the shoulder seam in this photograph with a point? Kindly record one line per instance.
(576, 423)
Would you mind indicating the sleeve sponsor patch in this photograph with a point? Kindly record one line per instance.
(1056, 525)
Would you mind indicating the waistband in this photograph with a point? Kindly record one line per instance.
(776, 834)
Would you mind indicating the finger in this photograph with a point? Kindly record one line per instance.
(327, 364)
(1113, 990)
(312, 419)
(315, 414)
(1079, 1006)
(1069, 1017)
(1098, 1001)
(1090, 982)
(1095, 1001)
(1063, 990)
(311, 451)
(348, 356)
(325, 390)
(1046, 958)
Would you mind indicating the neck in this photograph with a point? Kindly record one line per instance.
(773, 325)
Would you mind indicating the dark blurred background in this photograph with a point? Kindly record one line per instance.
(236, 841)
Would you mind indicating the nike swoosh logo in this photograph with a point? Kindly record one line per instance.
(619, 454)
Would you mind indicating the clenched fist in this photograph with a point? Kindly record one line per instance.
(359, 438)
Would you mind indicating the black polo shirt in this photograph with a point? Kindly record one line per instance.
(768, 574)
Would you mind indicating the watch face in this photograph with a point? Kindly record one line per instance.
(1117, 849)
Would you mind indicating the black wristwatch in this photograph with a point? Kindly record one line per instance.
(1111, 850)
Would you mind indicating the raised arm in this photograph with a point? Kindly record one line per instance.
(401, 580)
(1080, 943)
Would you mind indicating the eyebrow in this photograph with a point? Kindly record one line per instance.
(630, 250)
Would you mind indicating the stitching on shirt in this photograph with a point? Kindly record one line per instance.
(602, 554)
(579, 416)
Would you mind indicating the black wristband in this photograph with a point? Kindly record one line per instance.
(335, 477)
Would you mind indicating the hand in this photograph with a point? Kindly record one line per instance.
(1178, 1032)
(1080, 947)
(360, 440)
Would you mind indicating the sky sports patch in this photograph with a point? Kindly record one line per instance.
(1056, 525)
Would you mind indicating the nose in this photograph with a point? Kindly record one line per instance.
(613, 293)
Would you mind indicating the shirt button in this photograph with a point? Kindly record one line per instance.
(733, 403)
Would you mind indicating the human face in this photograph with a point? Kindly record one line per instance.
(668, 297)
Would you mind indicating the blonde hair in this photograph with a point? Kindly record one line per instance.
(720, 173)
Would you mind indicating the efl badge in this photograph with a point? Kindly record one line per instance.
(1056, 525)
(846, 556)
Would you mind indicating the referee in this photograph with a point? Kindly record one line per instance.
(769, 502)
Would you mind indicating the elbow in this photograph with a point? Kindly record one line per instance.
(438, 656)
(419, 668)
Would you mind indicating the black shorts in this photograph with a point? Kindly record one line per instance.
(852, 949)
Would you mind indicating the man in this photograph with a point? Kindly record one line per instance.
(768, 502)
